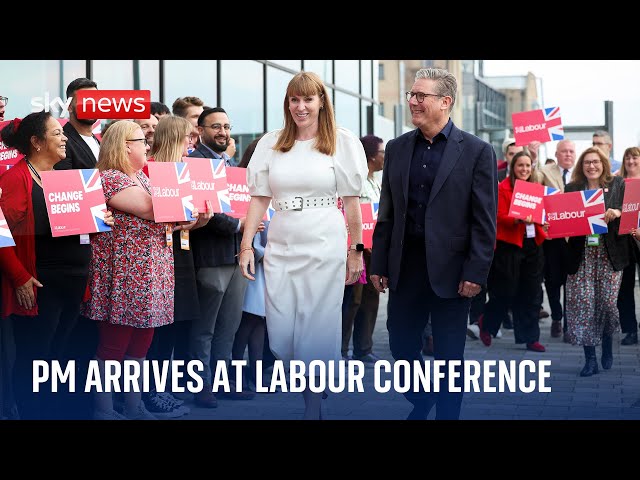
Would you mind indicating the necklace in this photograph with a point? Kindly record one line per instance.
(33, 170)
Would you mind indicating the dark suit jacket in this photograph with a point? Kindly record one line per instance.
(460, 218)
(216, 243)
(79, 155)
(617, 246)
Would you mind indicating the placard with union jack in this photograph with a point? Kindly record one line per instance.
(630, 218)
(75, 201)
(6, 239)
(369, 212)
(537, 125)
(575, 213)
(171, 191)
(209, 182)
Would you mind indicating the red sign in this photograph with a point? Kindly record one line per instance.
(630, 206)
(6, 239)
(8, 156)
(369, 212)
(113, 104)
(575, 213)
(75, 201)
(209, 182)
(239, 196)
(171, 191)
(528, 200)
(537, 125)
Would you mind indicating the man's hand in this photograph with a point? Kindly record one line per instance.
(468, 289)
(379, 282)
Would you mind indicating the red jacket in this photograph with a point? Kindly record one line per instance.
(508, 230)
(18, 263)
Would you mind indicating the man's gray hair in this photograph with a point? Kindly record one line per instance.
(446, 84)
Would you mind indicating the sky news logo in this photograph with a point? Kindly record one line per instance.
(99, 104)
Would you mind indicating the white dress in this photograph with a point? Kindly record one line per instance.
(305, 257)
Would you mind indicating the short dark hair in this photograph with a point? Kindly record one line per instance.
(181, 104)
(159, 107)
(208, 111)
(79, 83)
(370, 144)
(34, 124)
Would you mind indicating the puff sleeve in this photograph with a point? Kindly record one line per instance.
(350, 164)
(258, 168)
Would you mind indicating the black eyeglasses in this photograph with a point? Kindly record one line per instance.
(219, 126)
(419, 96)
(139, 140)
(4, 99)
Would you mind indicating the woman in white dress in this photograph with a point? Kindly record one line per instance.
(303, 168)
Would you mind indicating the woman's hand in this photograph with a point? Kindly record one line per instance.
(109, 219)
(25, 294)
(354, 267)
(545, 227)
(612, 214)
(246, 260)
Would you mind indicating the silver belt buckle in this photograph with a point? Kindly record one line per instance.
(301, 203)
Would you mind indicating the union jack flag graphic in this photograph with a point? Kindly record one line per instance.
(182, 172)
(593, 201)
(187, 205)
(575, 213)
(220, 182)
(548, 191)
(369, 219)
(91, 183)
(6, 239)
(554, 123)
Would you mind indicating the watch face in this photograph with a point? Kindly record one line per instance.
(360, 247)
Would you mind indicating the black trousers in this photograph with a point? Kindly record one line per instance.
(626, 300)
(46, 337)
(409, 308)
(555, 275)
(515, 281)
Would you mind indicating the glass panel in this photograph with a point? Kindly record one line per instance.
(72, 69)
(243, 100)
(347, 75)
(277, 82)
(292, 64)
(363, 123)
(365, 72)
(324, 68)
(150, 78)
(347, 112)
(113, 74)
(29, 84)
(190, 78)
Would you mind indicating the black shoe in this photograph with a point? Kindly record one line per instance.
(630, 339)
(607, 352)
(591, 364)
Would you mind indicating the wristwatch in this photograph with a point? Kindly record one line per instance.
(358, 247)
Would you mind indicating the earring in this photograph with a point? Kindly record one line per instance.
(37, 149)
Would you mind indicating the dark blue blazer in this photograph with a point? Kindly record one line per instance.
(460, 218)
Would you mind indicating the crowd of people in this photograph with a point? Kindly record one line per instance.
(219, 288)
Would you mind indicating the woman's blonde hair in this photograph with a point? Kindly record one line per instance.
(113, 147)
(168, 139)
(309, 84)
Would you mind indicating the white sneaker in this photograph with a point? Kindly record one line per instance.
(499, 334)
(112, 415)
(141, 413)
(473, 331)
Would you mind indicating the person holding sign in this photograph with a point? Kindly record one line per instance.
(43, 286)
(630, 169)
(131, 274)
(595, 264)
(304, 167)
(171, 141)
(515, 277)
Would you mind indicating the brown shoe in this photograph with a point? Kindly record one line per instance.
(556, 328)
(206, 398)
(543, 313)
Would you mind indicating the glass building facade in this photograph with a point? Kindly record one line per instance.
(251, 91)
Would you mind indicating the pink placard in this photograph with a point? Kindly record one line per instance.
(537, 125)
(575, 213)
(75, 201)
(528, 199)
(171, 191)
(209, 182)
